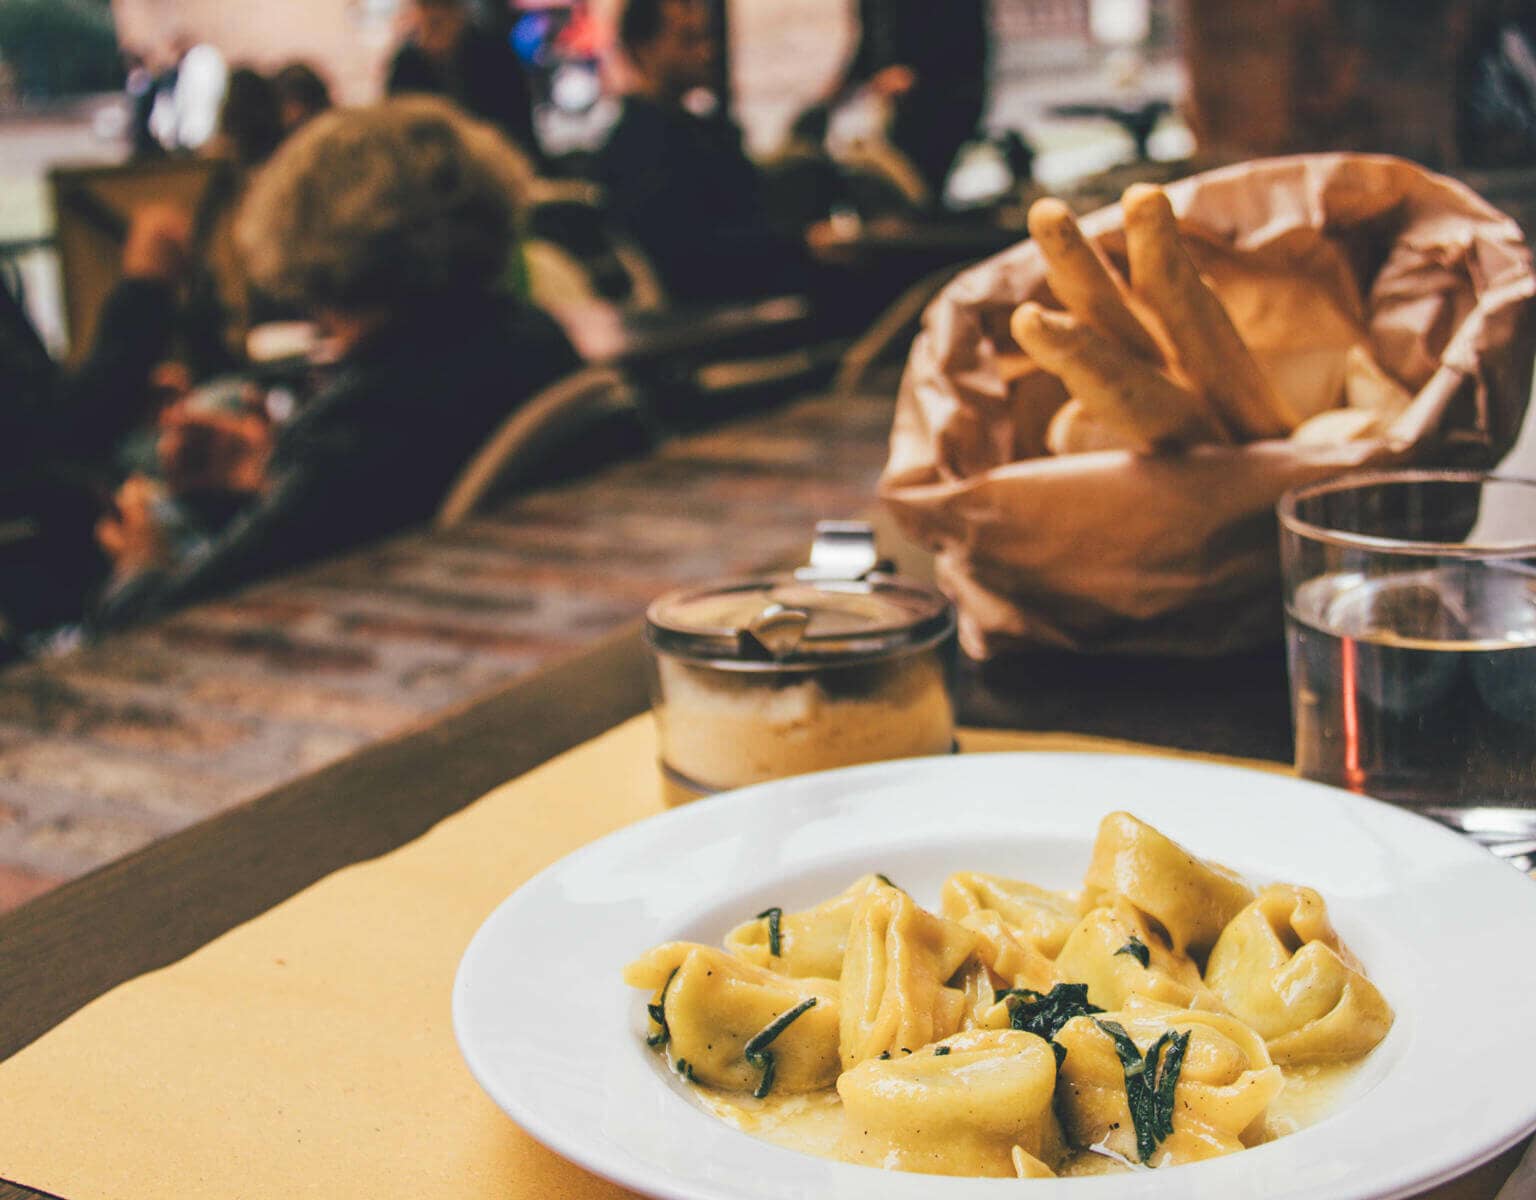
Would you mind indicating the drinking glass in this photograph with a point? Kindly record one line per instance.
(1410, 608)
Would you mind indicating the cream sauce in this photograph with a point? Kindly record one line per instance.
(1309, 1095)
(812, 1123)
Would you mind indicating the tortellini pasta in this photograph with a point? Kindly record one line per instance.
(1023, 1033)
(1190, 899)
(962, 1106)
(1280, 968)
(1116, 954)
(1224, 1083)
(1014, 964)
(1038, 918)
(895, 970)
(708, 1007)
(802, 943)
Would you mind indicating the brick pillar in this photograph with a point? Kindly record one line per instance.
(1237, 53)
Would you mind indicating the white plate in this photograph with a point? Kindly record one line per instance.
(1446, 931)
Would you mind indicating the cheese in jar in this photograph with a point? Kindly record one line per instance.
(765, 678)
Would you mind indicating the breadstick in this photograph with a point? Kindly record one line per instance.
(1211, 353)
(1367, 386)
(1338, 425)
(1119, 390)
(1073, 430)
(1013, 366)
(1083, 281)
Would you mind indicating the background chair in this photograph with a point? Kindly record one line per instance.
(553, 419)
(92, 208)
(891, 330)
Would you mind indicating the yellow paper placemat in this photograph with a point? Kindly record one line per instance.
(310, 1052)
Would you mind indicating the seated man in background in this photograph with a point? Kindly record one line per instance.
(930, 61)
(446, 54)
(393, 226)
(680, 184)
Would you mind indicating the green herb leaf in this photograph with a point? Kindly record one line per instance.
(886, 879)
(1173, 1063)
(685, 1069)
(1138, 950)
(1043, 1014)
(658, 1013)
(940, 1051)
(756, 1050)
(1138, 1095)
(1149, 1092)
(774, 915)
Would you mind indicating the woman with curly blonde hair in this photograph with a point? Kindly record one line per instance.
(383, 207)
(395, 227)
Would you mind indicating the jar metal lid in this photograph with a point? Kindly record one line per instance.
(781, 621)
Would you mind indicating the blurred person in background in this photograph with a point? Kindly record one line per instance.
(118, 386)
(394, 227)
(302, 93)
(179, 311)
(218, 306)
(139, 84)
(60, 434)
(930, 62)
(250, 122)
(1496, 88)
(447, 54)
(678, 182)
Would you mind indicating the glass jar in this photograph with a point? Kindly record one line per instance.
(763, 678)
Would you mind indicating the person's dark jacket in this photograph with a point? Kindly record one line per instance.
(683, 189)
(946, 45)
(483, 76)
(51, 416)
(376, 449)
(106, 396)
(58, 435)
(28, 385)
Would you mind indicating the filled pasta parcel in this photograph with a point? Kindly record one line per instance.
(1165, 1012)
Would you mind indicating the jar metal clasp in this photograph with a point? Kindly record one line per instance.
(843, 551)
